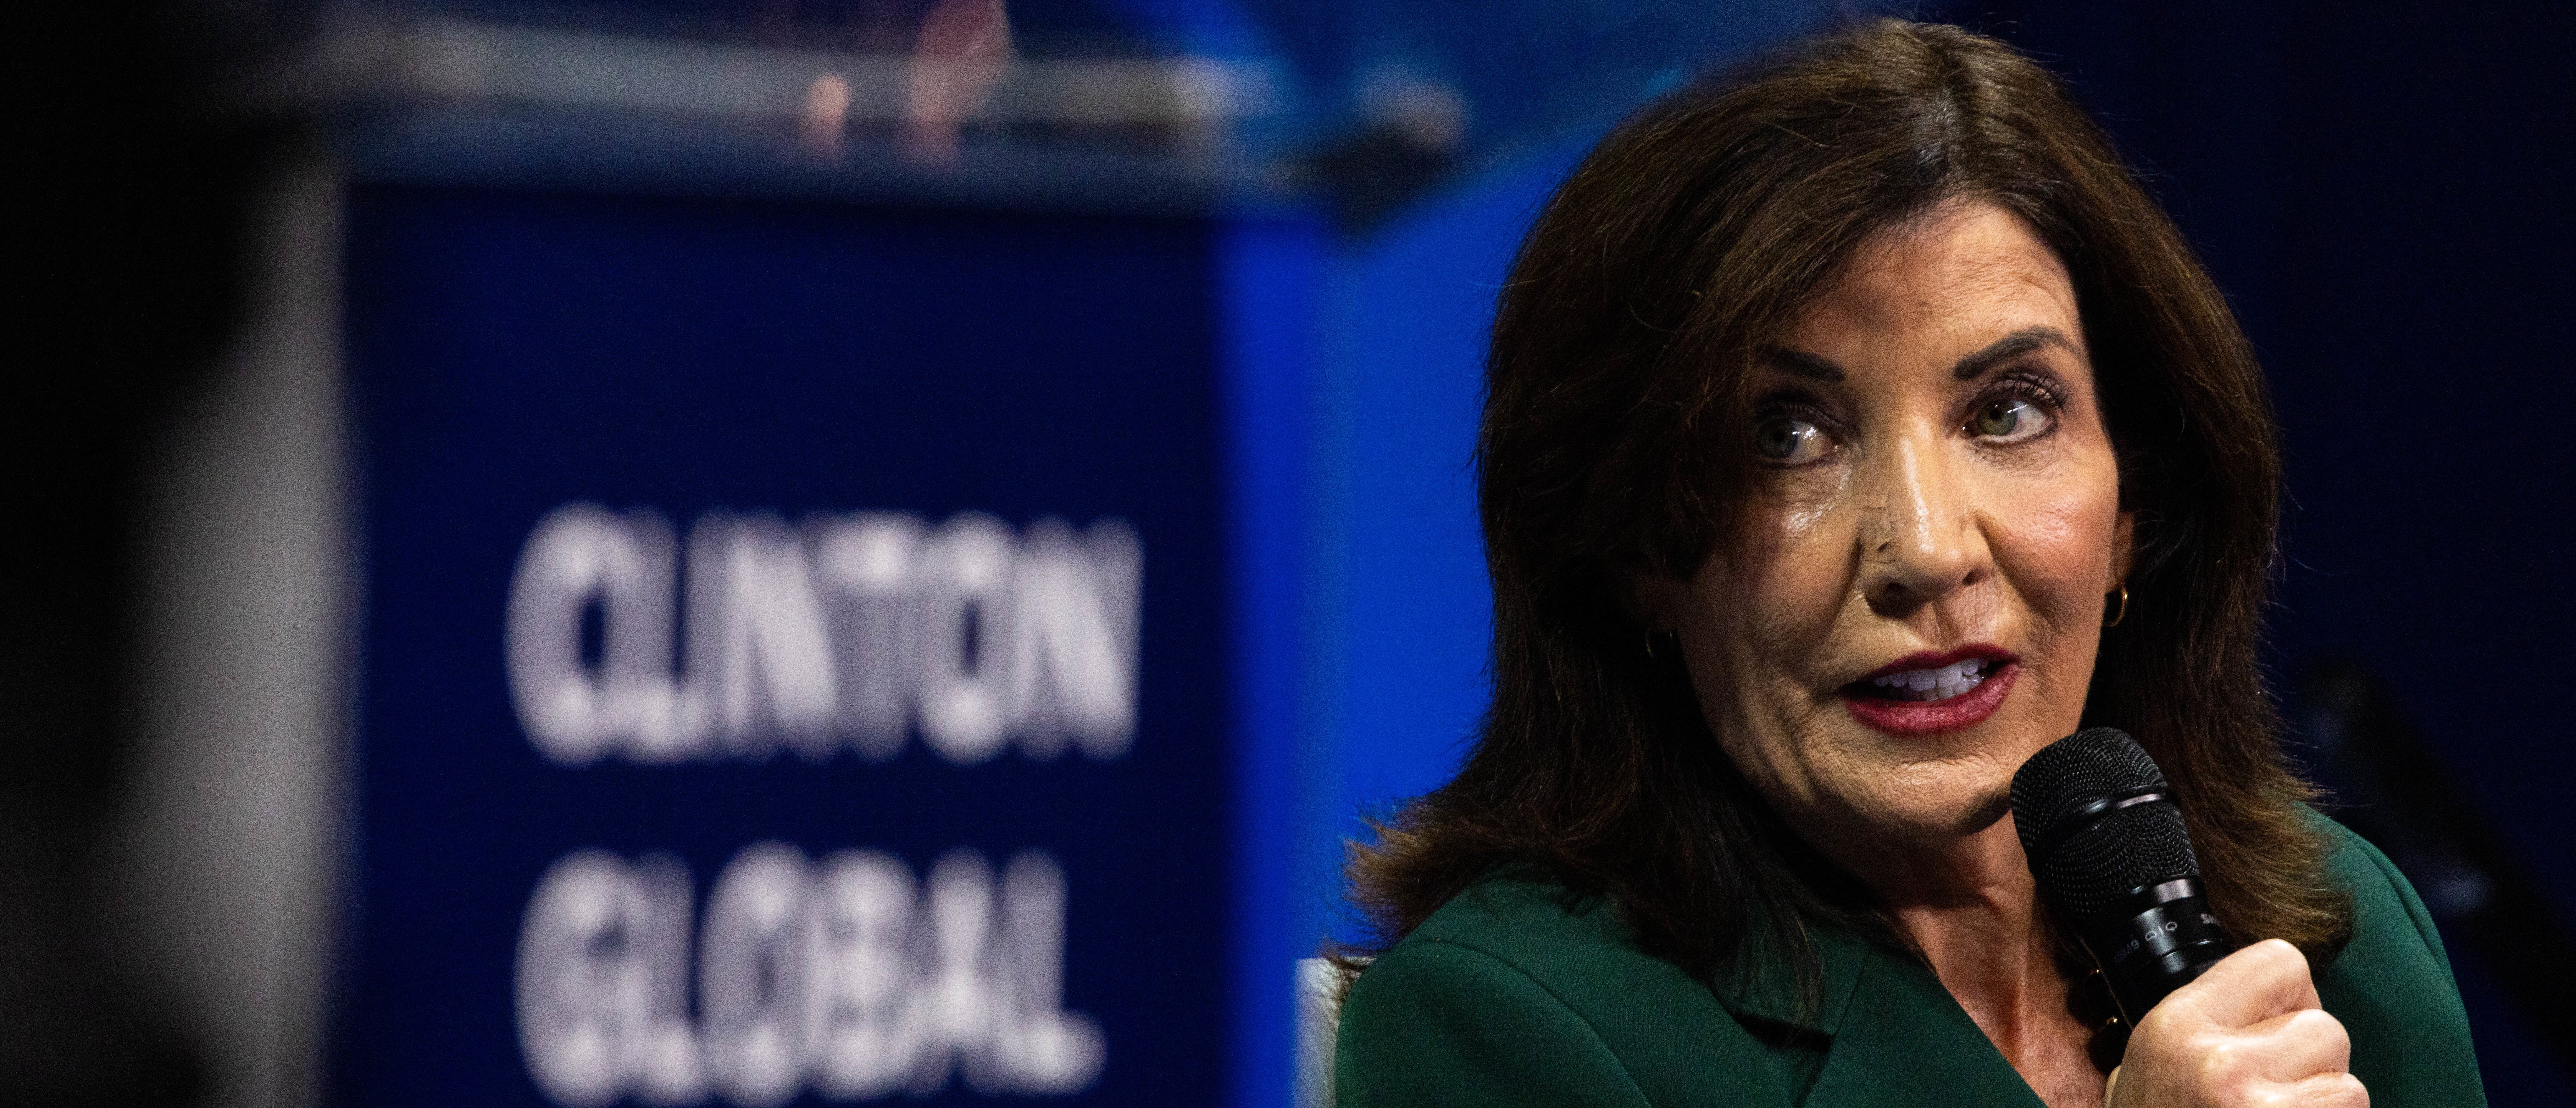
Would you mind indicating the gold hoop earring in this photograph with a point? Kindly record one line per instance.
(1650, 642)
(2123, 613)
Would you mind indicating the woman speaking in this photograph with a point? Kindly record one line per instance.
(1854, 430)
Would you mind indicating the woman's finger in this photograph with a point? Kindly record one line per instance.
(2297, 1046)
(2325, 1090)
(2267, 979)
(2262, 1064)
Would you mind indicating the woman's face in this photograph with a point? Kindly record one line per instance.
(1910, 603)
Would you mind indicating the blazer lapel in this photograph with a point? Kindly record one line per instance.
(1904, 1040)
(1897, 1036)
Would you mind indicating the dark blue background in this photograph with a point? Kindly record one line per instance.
(514, 352)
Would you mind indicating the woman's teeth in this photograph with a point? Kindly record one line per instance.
(1934, 684)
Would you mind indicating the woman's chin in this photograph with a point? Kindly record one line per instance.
(1930, 814)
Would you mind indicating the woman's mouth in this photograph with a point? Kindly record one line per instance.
(1932, 695)
(1918, 685)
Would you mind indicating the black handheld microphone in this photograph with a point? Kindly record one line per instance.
(2106, 842)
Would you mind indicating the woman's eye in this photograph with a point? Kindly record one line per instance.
(1785, 440)
(2009, 418)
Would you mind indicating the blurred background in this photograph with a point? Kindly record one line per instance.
(1045, 424)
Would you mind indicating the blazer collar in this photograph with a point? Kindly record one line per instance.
(1765, 988)
(1898, 1037)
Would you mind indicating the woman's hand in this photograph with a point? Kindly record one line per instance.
(2248, 1032)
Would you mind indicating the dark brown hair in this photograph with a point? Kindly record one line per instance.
(1615, 432)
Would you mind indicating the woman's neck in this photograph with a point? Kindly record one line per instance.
(1972, 908)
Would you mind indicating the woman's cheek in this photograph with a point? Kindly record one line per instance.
(1793, 514)
(1788, 567)
(2054, 545)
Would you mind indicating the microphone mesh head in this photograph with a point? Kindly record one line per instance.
(2091, 867)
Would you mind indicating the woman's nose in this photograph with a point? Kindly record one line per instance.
(1919, 539)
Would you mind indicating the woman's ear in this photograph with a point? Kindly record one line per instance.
(2123, 548)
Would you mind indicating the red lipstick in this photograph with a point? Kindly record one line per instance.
(1877, 709)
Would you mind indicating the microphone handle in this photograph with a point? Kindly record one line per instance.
(2158, 939)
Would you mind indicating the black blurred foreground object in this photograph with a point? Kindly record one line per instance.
(2389, 788)
(127, 254)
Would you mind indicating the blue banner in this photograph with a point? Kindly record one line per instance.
(802, 657)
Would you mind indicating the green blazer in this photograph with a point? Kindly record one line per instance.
(1507, 995)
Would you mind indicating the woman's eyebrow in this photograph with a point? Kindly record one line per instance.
(1802, 364)
(2013, 346)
